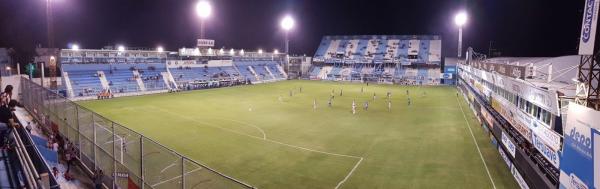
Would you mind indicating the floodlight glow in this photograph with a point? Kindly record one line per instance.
(460, 19)
(160, 49)
(203, 9)
(260, 51)
(75, 47)
(221, 51)
(210, 51)
(231, 52)
(287, 23)
(276, 51)
(121, 48)
(242, 52)
(7, 68)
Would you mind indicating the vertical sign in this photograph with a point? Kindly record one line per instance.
(581, 149)
(588, 27)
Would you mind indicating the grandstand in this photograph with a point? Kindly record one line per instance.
(401, 59)
(88, 72)
(523, 102)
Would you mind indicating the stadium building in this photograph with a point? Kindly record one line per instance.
(398, 59)
(522, 103)
(121, 71)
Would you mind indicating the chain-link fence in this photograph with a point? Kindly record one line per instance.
(127, 158)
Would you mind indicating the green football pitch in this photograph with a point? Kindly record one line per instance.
(262, 136)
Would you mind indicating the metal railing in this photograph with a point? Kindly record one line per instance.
(125, 156)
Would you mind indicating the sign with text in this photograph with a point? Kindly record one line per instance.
(510, 146)
(588, 27)
(580, 165)
(205, 43)
(504, 69)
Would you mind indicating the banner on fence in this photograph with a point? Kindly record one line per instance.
(580, 166)
(510, 146)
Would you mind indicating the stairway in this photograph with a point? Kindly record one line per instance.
(68, 84)
(254, 73)
(138, 79)
(270, 73)
(168, 78)
(285, 75)
(103, 80)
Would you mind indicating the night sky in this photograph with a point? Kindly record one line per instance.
(517, 27)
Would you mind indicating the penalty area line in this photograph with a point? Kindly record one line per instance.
(360, 159)
(349, 174)
(476, 145)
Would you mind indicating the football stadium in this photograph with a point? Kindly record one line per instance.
(358, 111)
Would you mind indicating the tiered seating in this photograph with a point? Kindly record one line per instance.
(323, 47)
(275, 71)
(85, 82)
(262, 73)
(386, 48)
(335, 71)
(188, 74)
(121, 81)
(153, 79)
(315, 70)
(378, 70)
(259, 68)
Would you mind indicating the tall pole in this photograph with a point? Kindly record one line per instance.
(49, 23)
(42, 74)
(201, 28)
(287, 43)
(459, 42)
(287, 52)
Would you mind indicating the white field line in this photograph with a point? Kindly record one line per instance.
(172, 164)
(476, 145)
(277, 142)
(349, 174)
(111, 134)
(169, 180)
(248, 124)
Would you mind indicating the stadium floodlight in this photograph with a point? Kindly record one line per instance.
(275, 51)
(232, 52)
(260, 51)
(203, 10)
(75, 47)
(460, 19)
(160, 49)
(210, 51)
(222, 51)
(121, 48)
(287, 24)
(7, 68)
(242, 52)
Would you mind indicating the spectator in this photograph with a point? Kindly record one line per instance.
(98, 179)
(55, 146)
(28, 127)
(6, 96)
(55, 172)
(6, 121)
(68, 158)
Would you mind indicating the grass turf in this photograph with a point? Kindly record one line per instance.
(246, 132)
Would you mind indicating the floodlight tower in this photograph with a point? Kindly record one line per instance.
(50, 23)
(203, 10)
(287, 23)
(460, 19)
